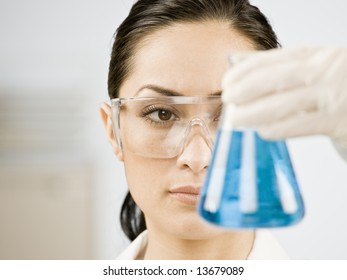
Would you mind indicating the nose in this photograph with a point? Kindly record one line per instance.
(196, 149)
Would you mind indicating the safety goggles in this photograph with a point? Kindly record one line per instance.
(160, 127)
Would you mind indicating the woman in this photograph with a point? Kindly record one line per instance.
(163, 51)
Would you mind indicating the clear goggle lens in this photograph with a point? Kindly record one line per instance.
(159, 127)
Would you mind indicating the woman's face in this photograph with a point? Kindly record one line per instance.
(190, 59)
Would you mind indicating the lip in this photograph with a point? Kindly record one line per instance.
(186, 194)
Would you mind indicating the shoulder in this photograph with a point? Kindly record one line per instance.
(266, 247)
(341, 149)
(135, 248)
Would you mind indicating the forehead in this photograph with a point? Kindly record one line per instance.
(187, 57)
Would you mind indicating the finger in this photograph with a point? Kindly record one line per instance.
(264, 74)
(274, 108)
(267, 81)
(241, 56)
(243, 63)
(299, 125)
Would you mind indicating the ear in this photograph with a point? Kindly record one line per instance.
(106, 113)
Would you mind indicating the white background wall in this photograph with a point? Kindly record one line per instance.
(62, 47)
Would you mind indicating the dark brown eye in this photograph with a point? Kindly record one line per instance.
(164, 115)
(159, 115)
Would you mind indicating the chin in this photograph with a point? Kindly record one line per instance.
(193, 227)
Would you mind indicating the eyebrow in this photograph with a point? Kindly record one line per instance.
(169, 92)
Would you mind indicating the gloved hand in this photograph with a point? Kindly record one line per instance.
(290, 92)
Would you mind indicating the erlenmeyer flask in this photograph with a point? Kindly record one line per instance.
(250, 183)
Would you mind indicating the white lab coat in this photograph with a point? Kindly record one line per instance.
(265, 247)
(342, 150)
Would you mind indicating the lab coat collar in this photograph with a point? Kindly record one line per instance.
(265, 247)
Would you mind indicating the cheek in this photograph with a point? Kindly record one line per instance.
(147, 179)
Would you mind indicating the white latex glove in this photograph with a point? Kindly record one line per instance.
(290, 92)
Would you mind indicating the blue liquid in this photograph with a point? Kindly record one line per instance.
(271, 158)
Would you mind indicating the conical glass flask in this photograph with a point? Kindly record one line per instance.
(250, 182)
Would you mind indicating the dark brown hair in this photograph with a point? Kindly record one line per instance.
(147, 16)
